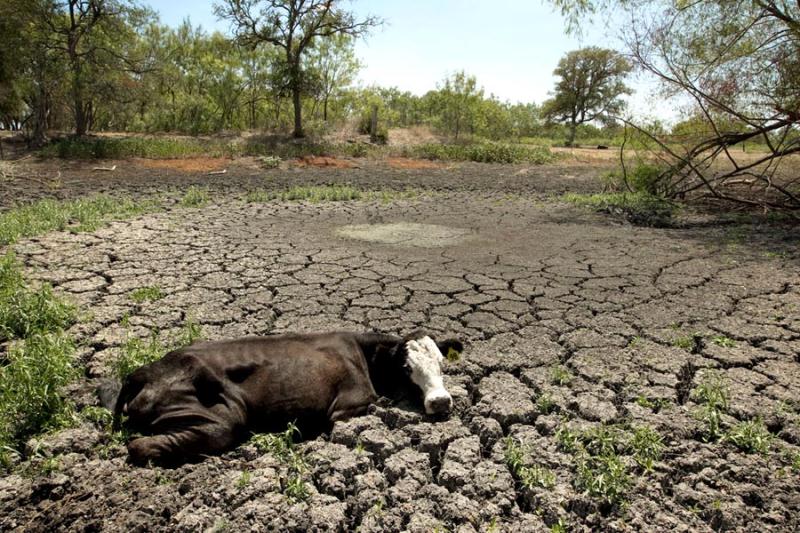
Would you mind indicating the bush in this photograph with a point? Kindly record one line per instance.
(638, 208)
(488, 152)
(644, 178)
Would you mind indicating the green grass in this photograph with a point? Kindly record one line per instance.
(528, 476)
(722, 340)
(136, 352)
(712, 395)
(545, 404)
(638, 207)
(25, 310)
(87, 214)
(484, 152)
(560, 375)
(282, 446)
(751, 436)
(326, 193)
(31, 381)
(244, 479)
(147, 294)
(195, 197)
(600, 457)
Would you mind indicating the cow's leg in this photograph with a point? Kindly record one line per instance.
(183, 444)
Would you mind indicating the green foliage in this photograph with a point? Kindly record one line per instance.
(487, 152)
(656, 404)
(99, 416)
(85, 214)
(751, 436)
(545, 404)
(244, 479)
(638, 208)
(590, 86)
(529, 476)
(647, 445)
(147, 294)
(712, 395)
(136, 352)
(282, 446)
(560, 375)
(31, 380)
(600, 457)
(646, 178)
(327, 193)
(26, 311)
(195, 197)
(722, 340)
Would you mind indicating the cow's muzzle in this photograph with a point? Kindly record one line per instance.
(438, 402)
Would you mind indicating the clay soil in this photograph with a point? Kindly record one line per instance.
(530, 284)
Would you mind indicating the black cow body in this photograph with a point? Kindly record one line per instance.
(205, 398)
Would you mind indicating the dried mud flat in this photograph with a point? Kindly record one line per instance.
(537, 286)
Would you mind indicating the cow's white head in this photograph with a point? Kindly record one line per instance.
(424, 361)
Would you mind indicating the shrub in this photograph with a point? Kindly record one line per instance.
(31, 383)
(488, 152)
(644, 178)
(638, 208)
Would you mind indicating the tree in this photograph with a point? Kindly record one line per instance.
(457, 103)
(91, 37)
(592, 81)
(738, 63)
(293, 26)
(333, 62)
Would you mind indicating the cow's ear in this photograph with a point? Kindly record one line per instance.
(207, 386)
(451, 349)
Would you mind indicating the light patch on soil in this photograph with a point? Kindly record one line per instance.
(323, 161)
(413, 164)
(192, 164)
(406, 234)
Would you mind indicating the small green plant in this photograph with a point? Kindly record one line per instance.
(560, 527)
(195, 197)
(545, 404)
(99, 416)
(529, 476)
(603, 476)
(655, 404)
(722, 340)
(795, 459)
(751, 436)
(686, 342)
(560, 375)
(26, 311)
(567, 439)
(147, 294)
(244, 479)
(270, 161)
(647, 445)
(712, 395)
(282, 446)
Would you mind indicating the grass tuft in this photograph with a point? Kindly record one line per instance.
(147, 294)
(751, 436)
(195, 197)
(31, 381)
(712, 395)
(528, 476)
(282, 446)
(136, 352)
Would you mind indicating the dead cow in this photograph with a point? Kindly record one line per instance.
(208, 397)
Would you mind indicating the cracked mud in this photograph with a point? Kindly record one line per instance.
(552, 303)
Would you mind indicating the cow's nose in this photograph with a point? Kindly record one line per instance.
(438, 404)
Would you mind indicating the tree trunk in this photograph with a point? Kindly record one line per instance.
(325, 109)
(298, 111)
(39, 135)
(573, 126)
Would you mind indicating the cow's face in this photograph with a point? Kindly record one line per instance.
(423, 362)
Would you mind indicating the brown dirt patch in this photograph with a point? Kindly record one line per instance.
(413, 164)
(323, 161)
(193, 164)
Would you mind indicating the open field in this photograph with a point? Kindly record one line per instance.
(614, 378)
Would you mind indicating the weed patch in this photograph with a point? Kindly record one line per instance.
(712, 395)
(82, 215)
(528, 476)
(638, 208)
(147, 294)
(136, 352)
(31, 381)
(326, 193)
(488, 152)
(560, 375)
(751, 436)
(195, 197)
(282, 446)
(601, 457)
(27, 311)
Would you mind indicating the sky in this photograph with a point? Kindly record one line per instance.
(511, 46)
